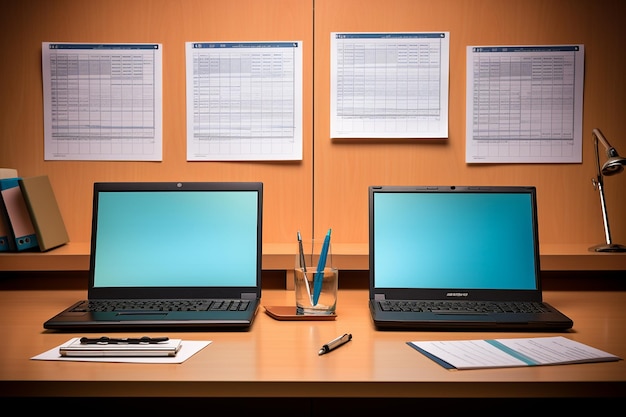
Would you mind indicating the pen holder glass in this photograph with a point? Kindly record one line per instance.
(315, 284)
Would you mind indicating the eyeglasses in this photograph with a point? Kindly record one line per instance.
(104, 340)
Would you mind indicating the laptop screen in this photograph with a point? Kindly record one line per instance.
(453, 237)
(176, 235)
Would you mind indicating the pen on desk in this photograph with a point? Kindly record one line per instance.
(319, 275)
(335, 343)
(303, 266)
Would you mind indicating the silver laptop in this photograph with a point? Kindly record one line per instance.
(457, 258)
(171, 255)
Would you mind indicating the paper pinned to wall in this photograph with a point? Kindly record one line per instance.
(524, 104)
(244, 101)
(389, 85)
(102, 102)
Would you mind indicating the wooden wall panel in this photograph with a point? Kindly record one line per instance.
(569, 207)
(333, 177)
(27, 23)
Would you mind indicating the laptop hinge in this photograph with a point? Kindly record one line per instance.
(248, 296)
(379, 297)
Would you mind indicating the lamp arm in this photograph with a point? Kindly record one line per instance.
(598, 182)
(610, 150)
(599, 179)
(605, 216)
(614, 165)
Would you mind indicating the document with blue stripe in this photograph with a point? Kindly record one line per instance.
(513, 352)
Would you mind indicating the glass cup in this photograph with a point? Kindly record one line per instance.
(316, 292)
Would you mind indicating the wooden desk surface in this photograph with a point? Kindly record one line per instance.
(279, 358)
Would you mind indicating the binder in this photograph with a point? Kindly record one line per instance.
(44, 212)
(15, 210)
(6, 235)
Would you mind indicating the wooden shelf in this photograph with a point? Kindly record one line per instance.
(74, 256)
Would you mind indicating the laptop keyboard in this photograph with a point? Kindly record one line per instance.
(463, 307)
(161, 305)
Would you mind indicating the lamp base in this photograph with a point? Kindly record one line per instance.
(613, 247)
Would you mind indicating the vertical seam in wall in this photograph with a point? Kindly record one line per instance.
(313, 125)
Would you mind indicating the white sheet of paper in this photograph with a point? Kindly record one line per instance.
(188, 349)
(119, 116)
(404, 95)
(524, 103)
(247, 108)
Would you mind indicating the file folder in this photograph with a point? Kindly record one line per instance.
(44, 212)
(14, 208)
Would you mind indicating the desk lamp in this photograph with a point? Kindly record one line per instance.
(613, 165)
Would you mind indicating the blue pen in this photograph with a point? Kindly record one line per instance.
(319, 275)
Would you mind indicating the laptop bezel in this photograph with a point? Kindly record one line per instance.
(243, 292)
(465, 294)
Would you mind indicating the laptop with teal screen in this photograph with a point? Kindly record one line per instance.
(457, 258)
(171, 255)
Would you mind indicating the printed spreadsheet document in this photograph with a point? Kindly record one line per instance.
(524, 104)
(389, 85)
(102, 101)
(511, 352)
(244, 101)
